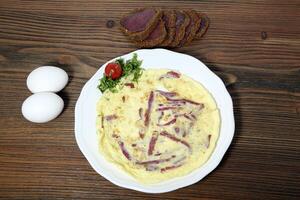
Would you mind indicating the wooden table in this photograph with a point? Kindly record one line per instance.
(254, 46)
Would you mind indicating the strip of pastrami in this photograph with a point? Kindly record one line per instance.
(110, 117)
(131, 85)
(176, 103)
(102, 122)
(185, 101)
(169, 96)
(168, 123)
(177, 130)
(187, 116)
(161, 116)
(170, 74)
(124, 150)
(169, 168)
(174, 138)
(148, 112)
(147, 162)
(166, 108)
(141, 113)
(152, 144)
(166, 94)
(184, 133)
(173, 74)
(208, 141)
(141, 134)
(193, 116)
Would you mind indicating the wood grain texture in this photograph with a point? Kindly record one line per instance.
(254, 46)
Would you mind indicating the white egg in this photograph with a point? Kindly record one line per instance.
(47, 79)
(42, 107)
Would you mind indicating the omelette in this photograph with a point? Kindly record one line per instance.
(166, 125)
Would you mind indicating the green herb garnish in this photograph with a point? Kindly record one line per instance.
(108, 83)
(130, 67)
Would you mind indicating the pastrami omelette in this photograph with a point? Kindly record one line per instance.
(162, 127)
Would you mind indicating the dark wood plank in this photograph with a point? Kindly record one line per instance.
(254, 46)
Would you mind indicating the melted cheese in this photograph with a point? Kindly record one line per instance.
(181, 135)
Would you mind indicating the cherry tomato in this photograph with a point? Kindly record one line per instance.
(113, 70)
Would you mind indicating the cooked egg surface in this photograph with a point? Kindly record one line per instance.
(162, 127)
(42, 107)
(47, 79)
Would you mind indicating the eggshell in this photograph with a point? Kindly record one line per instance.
(42, 107)
(47, 79)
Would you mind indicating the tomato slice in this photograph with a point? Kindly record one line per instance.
(113, 70)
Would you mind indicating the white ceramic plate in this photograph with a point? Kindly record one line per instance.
(85, 119)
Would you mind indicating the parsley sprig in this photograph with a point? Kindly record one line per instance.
(129, 67)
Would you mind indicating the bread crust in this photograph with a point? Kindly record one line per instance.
(165, 28)
(170, 27)
(141, 35)
(204, 24)
(180, 29)
(155, 41)
(197, 20)
(191, 29)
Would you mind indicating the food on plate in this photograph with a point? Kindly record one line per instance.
(119, 69)
(149, 27)
(42, 107)
(163, 126)
(140, 23)
(113, 70)
(47, 79)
